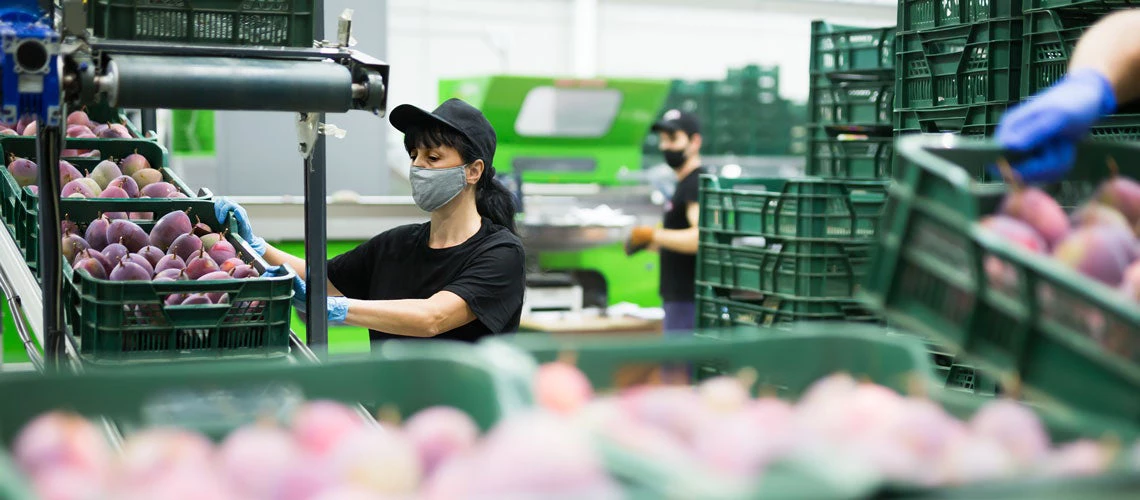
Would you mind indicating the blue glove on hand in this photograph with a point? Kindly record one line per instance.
(274, 272)
(337, 306)
(223, 207)
(1049, 125)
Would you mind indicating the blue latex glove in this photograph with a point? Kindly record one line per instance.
(1049, 125)
(337, 306)
(223, 207)
(274, 272)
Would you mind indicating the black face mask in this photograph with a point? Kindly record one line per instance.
(675, 158)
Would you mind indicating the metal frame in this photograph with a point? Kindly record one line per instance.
(316, 230)
(39, 302)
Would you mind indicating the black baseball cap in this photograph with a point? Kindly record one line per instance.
(456, 115)
(675, 119)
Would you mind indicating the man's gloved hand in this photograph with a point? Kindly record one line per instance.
(337, 307)
(223, 207)
(1049, 125)
(639, 239)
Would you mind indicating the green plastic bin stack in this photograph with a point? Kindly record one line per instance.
(778, 251)
(748, 116)
(741, 115)
(958, 65)
(851, 102)
(1052, 28)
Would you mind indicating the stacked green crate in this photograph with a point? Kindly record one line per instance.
(1052, 28)
(741, 115)
(777, 251)
(799, 127)
(748, 115)
(850, 103)
(958, 65)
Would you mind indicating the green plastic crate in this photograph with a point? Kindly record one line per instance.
(486, 382)
(728, 94)
(119, 322)
(969, 379)
(836, 154)
(20, 206)
(921, 15)
(973, 120)
(851, 50)
(970, 64)
(807, 208)
(12, 483)
(721, 307)
(1066, 336)
(787, 363)
(787, 239)
(277, 23)
(1093, 5)
(1050, 38)
(794, 269)
(859, 103)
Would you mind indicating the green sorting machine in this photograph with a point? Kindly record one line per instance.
(574, 131)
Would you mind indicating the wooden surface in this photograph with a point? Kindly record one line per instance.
(579, 324)
(575, 323)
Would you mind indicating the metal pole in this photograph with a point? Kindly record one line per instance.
(49, 142)
(149, 120)
(316, 251)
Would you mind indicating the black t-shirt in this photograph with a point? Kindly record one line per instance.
(678, 270)
(487, 271)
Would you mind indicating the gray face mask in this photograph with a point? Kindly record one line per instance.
(434, 187)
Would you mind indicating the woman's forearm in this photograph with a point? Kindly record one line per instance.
(407, 317)
(277, 257)
(429, 317)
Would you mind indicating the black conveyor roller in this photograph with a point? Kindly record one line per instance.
(221, 83)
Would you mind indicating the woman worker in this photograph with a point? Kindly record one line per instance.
(459, 276)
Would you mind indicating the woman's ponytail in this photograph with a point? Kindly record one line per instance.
(494, 201)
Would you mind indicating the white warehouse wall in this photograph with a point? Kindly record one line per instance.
(693, 42)
(433, 39)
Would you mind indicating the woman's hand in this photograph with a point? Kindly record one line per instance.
(223, 207)
(337, 307)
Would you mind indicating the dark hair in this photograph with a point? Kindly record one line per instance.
(492, 199)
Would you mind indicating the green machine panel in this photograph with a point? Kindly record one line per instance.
(557, 130)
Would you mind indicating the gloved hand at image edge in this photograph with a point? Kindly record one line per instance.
(1049, 125)
(337, 307)
(223, 207)
(639, 239)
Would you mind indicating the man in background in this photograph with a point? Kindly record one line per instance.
(680, 143)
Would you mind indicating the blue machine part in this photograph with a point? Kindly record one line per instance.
(29, 64)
